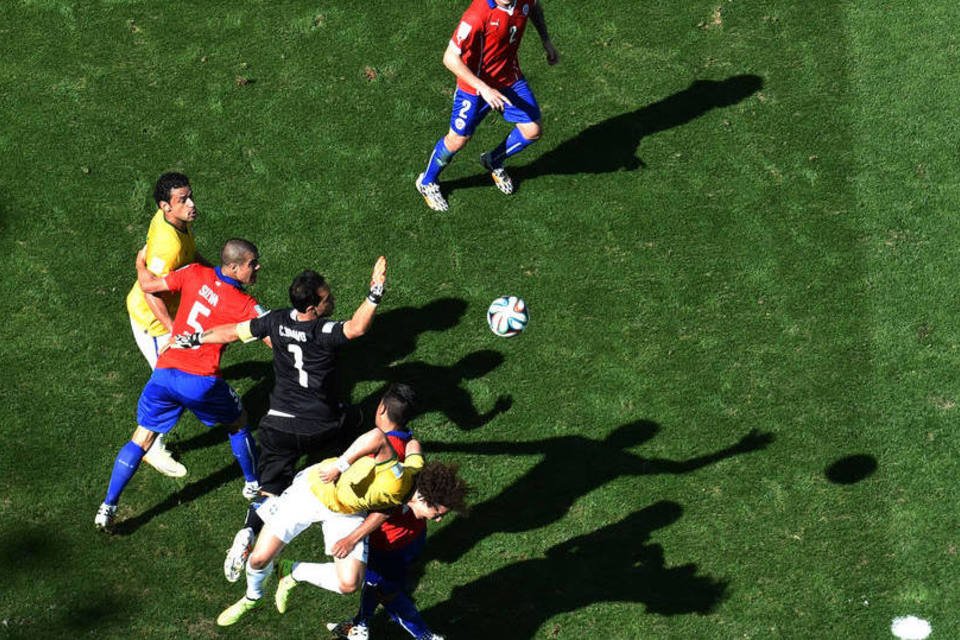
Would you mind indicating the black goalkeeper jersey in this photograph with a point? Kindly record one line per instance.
(304, 364)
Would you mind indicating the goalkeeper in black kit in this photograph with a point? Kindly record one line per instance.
(305, 415)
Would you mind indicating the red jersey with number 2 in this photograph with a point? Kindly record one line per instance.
(205, 302)
(488, 38)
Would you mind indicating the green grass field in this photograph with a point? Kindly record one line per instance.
(733, 414)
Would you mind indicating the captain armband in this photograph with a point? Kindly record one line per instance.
(243, 332)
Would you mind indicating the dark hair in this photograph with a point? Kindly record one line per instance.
(235, 251)
(399, 401)
(303, 290)
(167, 183)
(440, 485)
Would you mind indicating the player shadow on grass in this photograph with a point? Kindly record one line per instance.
(613, 564)
(439, 388)
(230, 473)
(378, 356)
(394, 336)
(28, 552)
(545, 493)
(611, 145)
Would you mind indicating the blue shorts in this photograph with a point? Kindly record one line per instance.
(169, 391)
(389, 567)
(469, 110)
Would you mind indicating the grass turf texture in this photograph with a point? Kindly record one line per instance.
(738, 220)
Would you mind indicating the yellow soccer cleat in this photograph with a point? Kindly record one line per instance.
(285, 584)
(236, 611)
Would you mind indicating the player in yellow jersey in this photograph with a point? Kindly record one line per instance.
(170, 245)
(338, 493)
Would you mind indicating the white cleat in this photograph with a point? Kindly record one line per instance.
(237, 554)
(104, 518)
(431, 194)
(159, 458)
(499, 175)
(346, 630)
(251, 490)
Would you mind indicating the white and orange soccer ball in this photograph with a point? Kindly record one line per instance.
(508, 316)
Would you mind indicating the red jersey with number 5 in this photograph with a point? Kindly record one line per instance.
(488, 38)
(206, 300)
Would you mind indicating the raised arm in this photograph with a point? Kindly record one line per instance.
(362, 318)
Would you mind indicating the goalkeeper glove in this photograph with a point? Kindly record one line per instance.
(187, 341)
(376, 292)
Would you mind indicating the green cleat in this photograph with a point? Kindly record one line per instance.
(236, 611)
(285, 584)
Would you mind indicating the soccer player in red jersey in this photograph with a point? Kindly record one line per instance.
(482, 54)
(190, 378)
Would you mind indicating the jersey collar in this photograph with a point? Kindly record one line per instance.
(185, 231)
(231, 281)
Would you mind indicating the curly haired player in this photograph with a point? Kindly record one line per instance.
(339, 493)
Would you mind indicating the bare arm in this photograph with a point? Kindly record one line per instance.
(540, 24)
(362, 318)
(149, 282)
(221, 334)
(342, 547)
(366, 444)
(159, 310)
(453, 62)
(413, 447)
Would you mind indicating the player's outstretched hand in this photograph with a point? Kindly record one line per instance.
(553, 56)
(379, 275)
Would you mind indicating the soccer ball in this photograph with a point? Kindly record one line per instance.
(507, 316)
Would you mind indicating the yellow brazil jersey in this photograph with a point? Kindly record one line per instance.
(366, 485)
(168, 249)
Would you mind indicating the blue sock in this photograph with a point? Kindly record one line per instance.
(405, 613)
(369, 600)
(126, 464)
(245, 451)
(440, 158)
(513, 144)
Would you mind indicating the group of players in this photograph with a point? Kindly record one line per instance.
(373, 500)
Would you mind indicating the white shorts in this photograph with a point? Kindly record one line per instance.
(149, 345)
(294, 510)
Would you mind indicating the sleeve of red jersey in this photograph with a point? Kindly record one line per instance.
(176, 279)
(465, 36)
(254, 310)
